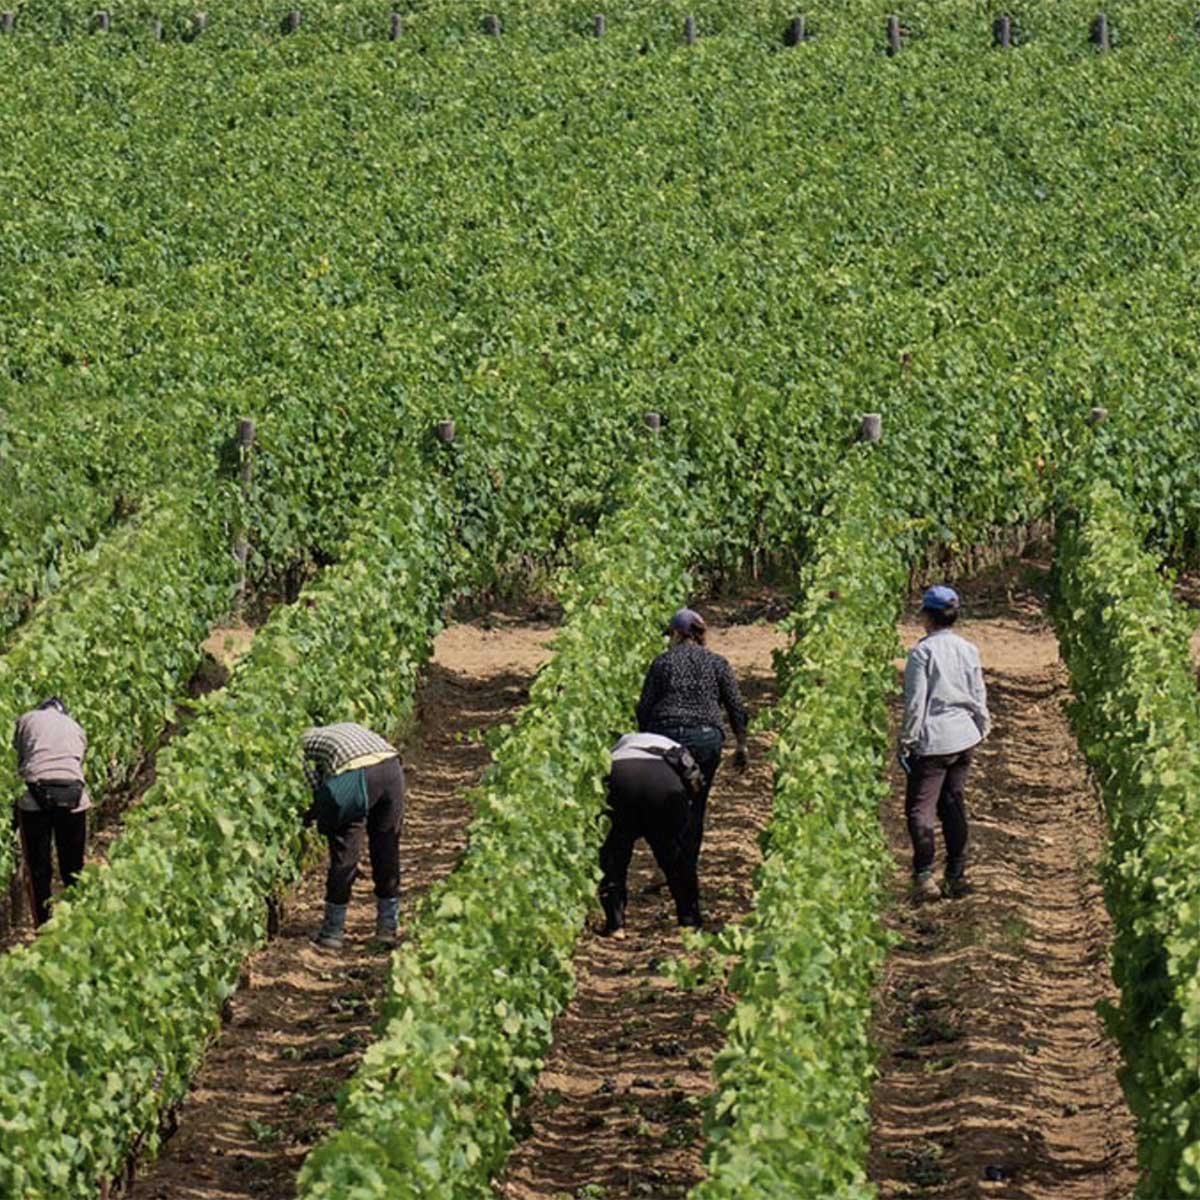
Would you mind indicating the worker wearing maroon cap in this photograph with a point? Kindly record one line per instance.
(945, 718)
(683, 695)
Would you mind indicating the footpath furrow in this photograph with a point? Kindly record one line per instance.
(997, 1079)
(298, 1025)
(617, 1109)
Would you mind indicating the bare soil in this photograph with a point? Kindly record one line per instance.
(267, 1089)
(997, 1079)
(616, 1112)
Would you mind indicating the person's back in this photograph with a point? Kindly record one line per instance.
(946, 710)
(50, 745)
(52, 814)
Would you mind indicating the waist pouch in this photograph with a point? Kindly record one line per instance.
(680, 760)
(56, 793)
(341, 799)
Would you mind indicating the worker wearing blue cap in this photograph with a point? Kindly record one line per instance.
(945, 718)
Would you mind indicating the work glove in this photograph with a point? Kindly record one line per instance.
(741, 758)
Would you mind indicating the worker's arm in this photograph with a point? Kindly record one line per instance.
(916, 694)
(651, 693)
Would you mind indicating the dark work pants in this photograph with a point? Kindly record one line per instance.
(705, 742)
(648, 799)
(381, 831)
(68, 832)
(935, 787)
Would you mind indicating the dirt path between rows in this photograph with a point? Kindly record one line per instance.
(268, 1086)
(996, 1077)
(616, 1112)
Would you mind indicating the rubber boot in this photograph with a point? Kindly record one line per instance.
(387, 916)
(332, 933)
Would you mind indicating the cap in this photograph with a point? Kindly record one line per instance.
(940, 599)
(687, 621)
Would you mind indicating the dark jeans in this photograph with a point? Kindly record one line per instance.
(381, 831)
(705, 742)
(68, 831)
(648, 799)
(935, 786)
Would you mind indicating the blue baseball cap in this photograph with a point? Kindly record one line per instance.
(940, 598)
(687, 621)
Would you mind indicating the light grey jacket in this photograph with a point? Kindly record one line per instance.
(945, 700)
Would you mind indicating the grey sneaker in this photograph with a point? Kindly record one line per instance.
(957, 888)
(925, 889)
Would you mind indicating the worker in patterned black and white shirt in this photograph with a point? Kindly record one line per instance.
(683, 694)
(358, 794)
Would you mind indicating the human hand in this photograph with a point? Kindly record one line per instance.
(741, 758)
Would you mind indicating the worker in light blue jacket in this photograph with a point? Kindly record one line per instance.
(945, 718)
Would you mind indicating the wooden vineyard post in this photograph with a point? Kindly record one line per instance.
(241, 548)
(1098, 416)
(599, 25)
(491, 25)
(8, 21)
(1101, 37)
(395, 27)
(690, 35)
(101, 21)
(444, 432)
(653, 421)
(1002, 32)
(199, 24)
(156, 30)
(795, 33)
(870, 427)
(893, 36)
(291, 23)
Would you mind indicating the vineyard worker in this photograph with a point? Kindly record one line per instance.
(945, 717)
(358, 793)
(683, 694)
(649, 788)
(50, 748)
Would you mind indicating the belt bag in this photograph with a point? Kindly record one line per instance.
(56, 793)
(680, 760)
(341, 799)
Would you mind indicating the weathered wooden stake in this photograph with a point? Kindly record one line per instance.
(445, 432)
(1002, 32)
(689, 30)
(275, 915)
(795, 32)
(870, 428)
(1098, 416)
(893, 36)
(156, 32)
(599, 25)
(241, 546)
(101, 21)
(1100, 34)
(199, 24)
(8, 20)
(491, 25)
(653, 422)
(292, 21)
(395, 27)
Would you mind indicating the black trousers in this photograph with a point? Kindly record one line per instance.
(648, 799)
(935, 786)
(380, 829)
(68, 832)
